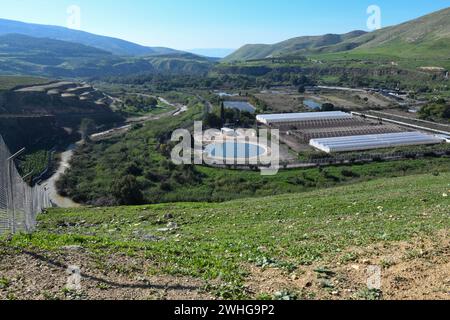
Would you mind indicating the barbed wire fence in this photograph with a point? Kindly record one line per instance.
(19, 203)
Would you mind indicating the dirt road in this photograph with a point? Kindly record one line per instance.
(50, 184)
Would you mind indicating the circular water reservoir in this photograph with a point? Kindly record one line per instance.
(234, 150)
(311, 104)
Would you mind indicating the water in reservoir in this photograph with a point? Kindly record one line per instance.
(234, 150)
(311, 104)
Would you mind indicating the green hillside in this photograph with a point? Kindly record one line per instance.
(428, 35)
(112, 45)
(282, 241)
(426, 39)
(295, 45)
(24, 55)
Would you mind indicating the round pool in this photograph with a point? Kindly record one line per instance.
(234, 150)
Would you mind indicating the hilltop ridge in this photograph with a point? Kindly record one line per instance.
(428, 35)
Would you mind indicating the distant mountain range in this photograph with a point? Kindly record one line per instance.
(30, 49)
(51, 51)
(25, 55)
(113, 45)
(427, 36)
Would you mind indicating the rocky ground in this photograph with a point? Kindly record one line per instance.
(416, 270)
(43, 275)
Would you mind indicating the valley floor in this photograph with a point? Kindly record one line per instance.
(297, 246)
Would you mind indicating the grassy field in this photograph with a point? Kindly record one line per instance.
(9, 82)
(232, 248)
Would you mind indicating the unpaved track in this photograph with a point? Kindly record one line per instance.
(50, 184)
(66, 156)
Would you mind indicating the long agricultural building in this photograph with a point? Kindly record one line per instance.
(375, 141)
(287, 118)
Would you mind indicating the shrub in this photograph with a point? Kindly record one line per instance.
(126, 190)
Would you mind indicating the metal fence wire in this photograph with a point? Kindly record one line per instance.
(19, 203)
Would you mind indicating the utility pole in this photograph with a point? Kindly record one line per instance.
(10, 163)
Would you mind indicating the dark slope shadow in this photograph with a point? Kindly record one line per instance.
(108, 282)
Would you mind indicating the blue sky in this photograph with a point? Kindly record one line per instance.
(188, 24)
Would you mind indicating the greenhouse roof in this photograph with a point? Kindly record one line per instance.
(306, 116)
(376, 141)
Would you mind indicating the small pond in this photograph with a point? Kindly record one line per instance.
(240, 105)
(311, 104)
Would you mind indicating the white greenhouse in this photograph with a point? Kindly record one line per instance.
(283, 118)
(376, 141)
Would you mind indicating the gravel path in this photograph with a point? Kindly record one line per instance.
(50, 184)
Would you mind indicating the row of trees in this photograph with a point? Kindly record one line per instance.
(228, 116)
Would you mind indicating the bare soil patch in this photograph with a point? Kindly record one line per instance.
(283, 102)
(419, 269)
(38, 275)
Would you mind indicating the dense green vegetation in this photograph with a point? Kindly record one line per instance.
(35, 162)
(139, 105)
(221, 242)
(437, 110)
(144, 154)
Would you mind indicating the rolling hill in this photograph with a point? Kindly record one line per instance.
(113, 45)
(425, 37)
(295, 45)
(25, 55)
